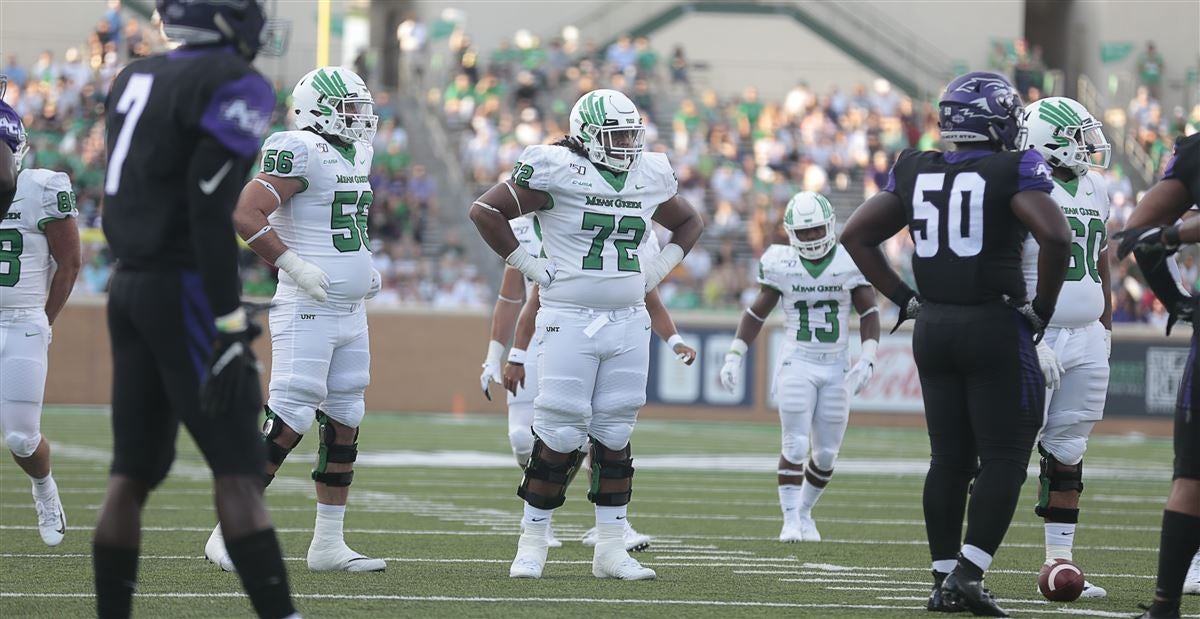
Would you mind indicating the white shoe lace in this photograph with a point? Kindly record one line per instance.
(48, 513)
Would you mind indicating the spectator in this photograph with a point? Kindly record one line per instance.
(15, 73)
(621, 54)
(679, 68)
(647, 59)
(1150, 70)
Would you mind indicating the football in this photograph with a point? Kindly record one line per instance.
(1061, 581)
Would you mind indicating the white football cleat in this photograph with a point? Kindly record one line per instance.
(531, 556)
(338, 557)
(52, 520)
(1191, 582)
(611, 560)
(634, 541)
(790, 533)
(214, 550)
(808, 529)
(1092, 592)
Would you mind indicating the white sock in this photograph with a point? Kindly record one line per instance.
(975, 555)
(1060, 536)
(789, 502)
(944, 566)
(329, 523)
(611, 515)
(612, 533)
(44, 488)
(808, 498)
(536, 518)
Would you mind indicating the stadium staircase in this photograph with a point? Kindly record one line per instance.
(1126, 150)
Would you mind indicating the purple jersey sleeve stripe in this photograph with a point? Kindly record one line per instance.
(239, 114)
(10, 126)
(891, 183)
(1170, 171)
(1033, 173)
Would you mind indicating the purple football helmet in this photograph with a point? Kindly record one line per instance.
(211, 22)
(12, 130)
(980, 106)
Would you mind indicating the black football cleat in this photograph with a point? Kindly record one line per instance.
(1158, 610)
(937, 603)
(970, 595)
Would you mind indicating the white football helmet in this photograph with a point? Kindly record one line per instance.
(1066, 134)
(335, 102)
(805, 211)
(611, 129)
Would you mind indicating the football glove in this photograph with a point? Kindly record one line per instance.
(491, 368)
(861, 373)
(908, 302)
(232, 380)
(662, 265)
(539, 270)
(376, 284)
(1037, 319)
(1148, 238)
(308, 276)
(732, 370)
(1052, 370)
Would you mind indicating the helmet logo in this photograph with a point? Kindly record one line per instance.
(593, 113)
(330, 85)
(1061, 116)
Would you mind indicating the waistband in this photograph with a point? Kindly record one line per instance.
(319, 305)
(953, 313)
(588, 312)
(839, 356)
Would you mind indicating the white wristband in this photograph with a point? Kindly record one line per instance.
(516, 356)
(869, 348)
(495, 350)
(674, 341)
(738, 347)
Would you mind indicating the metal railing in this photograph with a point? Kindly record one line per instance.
(1123, 136)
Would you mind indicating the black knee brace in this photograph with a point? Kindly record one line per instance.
(541, 469)
(330, 451)
(276, 453)
(609, 464)
(1057, 477)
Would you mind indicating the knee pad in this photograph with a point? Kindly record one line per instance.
(276, 453)
(21, 444)
(521, 440)
(610, 464)
(543, 469)
(795, 447)
(561, 436)
(297, 392)
(1057, 477)
(331, 451)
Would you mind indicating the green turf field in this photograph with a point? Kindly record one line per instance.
(706, 491)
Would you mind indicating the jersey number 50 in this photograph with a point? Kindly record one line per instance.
(964, 235)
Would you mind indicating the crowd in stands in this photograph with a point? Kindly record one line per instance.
(61, 101)
(738, 158)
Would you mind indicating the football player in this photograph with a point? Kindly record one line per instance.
(817, 284)
(183, 131)
(320, 358)
(978, 341)
(520, 378)
(1152, 235)
(39, 260)
(1080, 332)
(595, 193)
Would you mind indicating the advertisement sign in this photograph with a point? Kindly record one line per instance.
(671, 382)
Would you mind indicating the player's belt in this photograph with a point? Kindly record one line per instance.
(819, 357)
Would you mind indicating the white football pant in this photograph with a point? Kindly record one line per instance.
(520, 408)
(1079, 402)
(814, 406)
(320, 358)
(24, 340)
(592, 375)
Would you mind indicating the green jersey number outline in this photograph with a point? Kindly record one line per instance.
(1085, 250)
(353, 225)
(826, 335)
(277, 161)
(604, 224)
(11, 256)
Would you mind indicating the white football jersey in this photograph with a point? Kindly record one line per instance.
(816, 295)
(595, 224)
(1085, 203)
(25, 262)
(326, 223)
